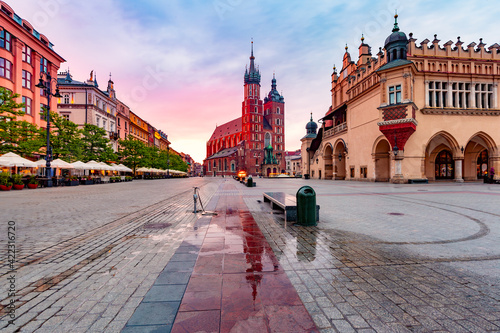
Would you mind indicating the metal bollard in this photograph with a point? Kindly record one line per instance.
(195, 198)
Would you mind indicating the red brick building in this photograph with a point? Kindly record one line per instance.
(254, 142)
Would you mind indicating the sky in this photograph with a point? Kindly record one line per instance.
(179, 64)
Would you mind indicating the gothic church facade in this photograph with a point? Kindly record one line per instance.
(254, 142)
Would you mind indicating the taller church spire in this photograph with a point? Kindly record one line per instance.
(252, 75)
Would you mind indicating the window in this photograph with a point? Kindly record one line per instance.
(395, 94)
(484, 96)
(438, 94)
(26, 79)
(278, 110)
(27, 51)
(98, 122)
(125, 125)
(112, 127)
(27, 105)
(104, 124)
(65, 116)
(352, 172)
(118, 119)
(6, 40)
(44, 65)
(363, 172)
(66, 99)
(5, 68)
(43, 110)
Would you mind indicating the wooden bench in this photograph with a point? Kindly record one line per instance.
(287, 203)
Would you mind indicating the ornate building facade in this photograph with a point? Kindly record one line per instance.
(255, 142)
(25, 54)
(415, 112)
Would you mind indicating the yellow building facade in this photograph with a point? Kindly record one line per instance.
(415, 112)
(138, 128)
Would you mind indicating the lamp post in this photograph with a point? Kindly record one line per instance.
(46, 86)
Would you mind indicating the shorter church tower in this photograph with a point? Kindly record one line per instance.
(274, 116)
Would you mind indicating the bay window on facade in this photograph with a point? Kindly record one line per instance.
(27, 52)
(44, 65)
(6, 40)
(27, 105)
(26, 79)
(395, 94)
(5, 68)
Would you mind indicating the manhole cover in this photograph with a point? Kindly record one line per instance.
(157, 225)
(397, 214)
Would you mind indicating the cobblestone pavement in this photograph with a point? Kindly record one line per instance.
(383, 258)
(87, 255)
(392, 258)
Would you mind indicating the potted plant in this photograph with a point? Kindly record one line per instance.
(17, 179)
(86, 180)
(72, 181)
(5, 184)
(33, 183)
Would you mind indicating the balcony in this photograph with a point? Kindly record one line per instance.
(113, 136)
(335, 130)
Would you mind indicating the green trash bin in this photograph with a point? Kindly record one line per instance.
(306, 206)
(249, 182)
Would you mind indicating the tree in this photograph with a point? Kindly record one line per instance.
(133, 152)
(177, 163)
(95, 143)
(65, 139)
(17, 136)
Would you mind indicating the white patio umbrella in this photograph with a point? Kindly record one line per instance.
(6, 164)
(105, 166)
(143, 169)
(12, 159)
(79, 165)
(58, 163)
(93, 165)
(124, 168)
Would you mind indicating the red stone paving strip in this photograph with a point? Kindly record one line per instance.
(237, 284)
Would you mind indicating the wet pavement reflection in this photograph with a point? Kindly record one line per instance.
(238, 280)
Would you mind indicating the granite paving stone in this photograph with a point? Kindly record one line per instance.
(434, 268)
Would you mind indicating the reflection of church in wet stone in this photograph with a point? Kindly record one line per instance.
(254, 142)
(415, 112)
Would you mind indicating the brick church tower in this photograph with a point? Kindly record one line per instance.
(252, 116)
(255, 142)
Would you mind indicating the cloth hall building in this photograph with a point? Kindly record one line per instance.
(415, 112)
(254, 142)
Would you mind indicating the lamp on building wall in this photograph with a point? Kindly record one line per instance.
(395, 149)
(47, 89)
(345, 149)
(462, 149)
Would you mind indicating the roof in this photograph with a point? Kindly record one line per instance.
(395, 63)
(229, 128)
(224, 153)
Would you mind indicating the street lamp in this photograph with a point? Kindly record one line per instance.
(395, 150)
(46, 86)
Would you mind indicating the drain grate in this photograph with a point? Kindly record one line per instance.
(157, 226)
(397, 214)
